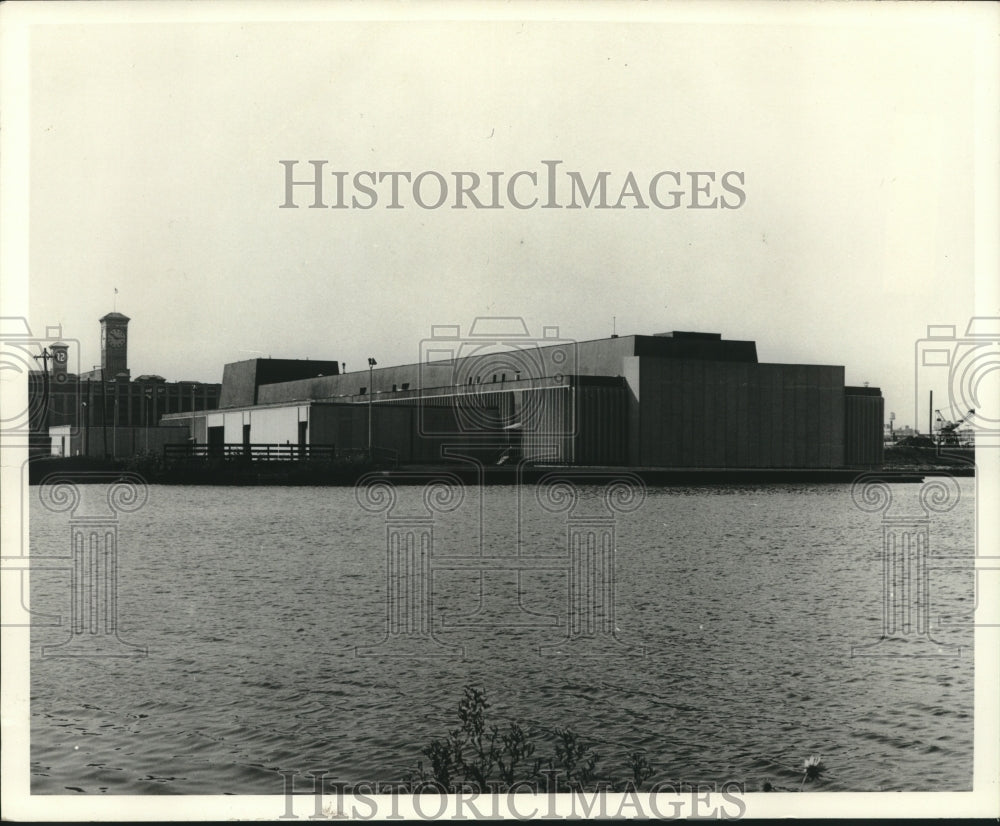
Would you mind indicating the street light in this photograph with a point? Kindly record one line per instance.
(371, 389)
(85, 423)
(148, 397)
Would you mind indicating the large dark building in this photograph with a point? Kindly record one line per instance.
(673, 400)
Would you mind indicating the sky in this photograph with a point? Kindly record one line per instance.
(154, 169)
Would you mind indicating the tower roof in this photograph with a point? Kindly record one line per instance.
(114, 317)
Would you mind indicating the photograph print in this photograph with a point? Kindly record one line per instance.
(505, 410)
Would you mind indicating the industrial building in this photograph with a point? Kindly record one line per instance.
(671, 400)
(104, 412)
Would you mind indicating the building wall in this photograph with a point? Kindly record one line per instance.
(268, 425)
(469, 370)
(472, 366)
(548, 423)
(62, 441)
(601, 424)
(864, 410)
(239, 384)
(409, 433)
(394, 431)
(122, 442)
(443, 428)
(708, 414)
(274, 426)
(242, 380)
(95, 404)
(697, 346)
(661, 401)
(664, 412)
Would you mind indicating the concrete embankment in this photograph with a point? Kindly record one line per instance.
(929, 461)
(83, 471)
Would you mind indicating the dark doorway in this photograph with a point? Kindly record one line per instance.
(216, 441)
(303, 432)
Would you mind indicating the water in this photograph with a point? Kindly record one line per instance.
(747, 601)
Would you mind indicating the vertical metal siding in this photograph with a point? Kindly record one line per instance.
(863, 430)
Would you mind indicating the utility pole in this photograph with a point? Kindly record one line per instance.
(45, 355)
(930, 416)
(104, 411)
(114, 421)
(371, 392)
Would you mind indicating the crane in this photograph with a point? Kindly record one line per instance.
(947, 431)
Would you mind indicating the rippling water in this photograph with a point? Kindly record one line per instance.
(746, 601)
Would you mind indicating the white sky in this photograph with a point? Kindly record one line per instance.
(154, 150)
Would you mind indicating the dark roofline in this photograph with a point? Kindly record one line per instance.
(543, 343)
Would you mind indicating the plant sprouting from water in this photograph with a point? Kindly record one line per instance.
(577, 759)
(484, 753)
(813, 768)
(640, 768)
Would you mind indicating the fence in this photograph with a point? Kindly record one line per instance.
(251, 452)
(239, 452)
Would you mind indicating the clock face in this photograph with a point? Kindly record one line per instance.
(116, 337)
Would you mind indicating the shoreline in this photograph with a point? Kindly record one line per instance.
(89, 471)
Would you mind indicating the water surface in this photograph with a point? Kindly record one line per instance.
(746, 602)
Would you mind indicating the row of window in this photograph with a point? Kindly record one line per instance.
(406, 385)
(132, 406)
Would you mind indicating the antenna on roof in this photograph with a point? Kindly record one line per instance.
(614, 326)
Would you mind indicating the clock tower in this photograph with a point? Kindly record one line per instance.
(114, 345)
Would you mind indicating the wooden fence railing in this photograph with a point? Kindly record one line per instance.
(251, 452)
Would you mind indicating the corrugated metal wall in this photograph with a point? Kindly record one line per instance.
(542, 414)
(731, 415)
(863, 416)
(413, 434)
(602, 425)
(691, 413)
(548, 424)
(572, 422)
